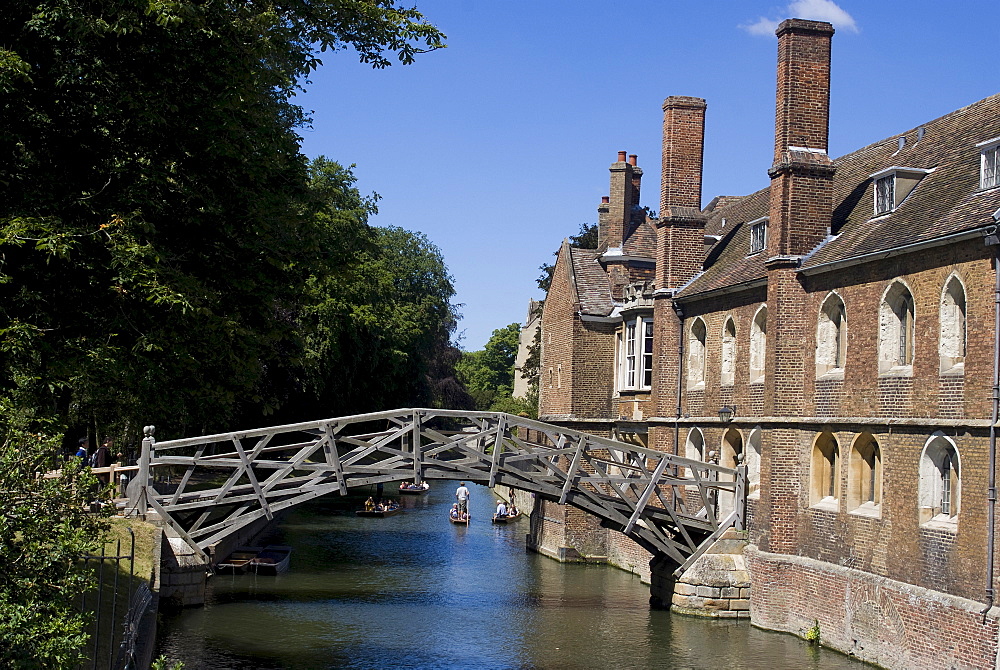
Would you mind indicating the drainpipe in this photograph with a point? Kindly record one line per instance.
(679, 311)
(992, 238)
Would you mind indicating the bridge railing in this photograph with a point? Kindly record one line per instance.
(210, 486)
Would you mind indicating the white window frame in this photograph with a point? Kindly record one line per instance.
(885, 194)
(635, 354)
(758, 235)
(989, 163)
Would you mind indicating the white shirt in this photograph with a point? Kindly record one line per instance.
(462, 493)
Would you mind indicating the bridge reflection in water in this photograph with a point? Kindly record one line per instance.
(667, 504)
(413, 591)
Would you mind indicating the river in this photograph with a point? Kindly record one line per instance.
(414, 591)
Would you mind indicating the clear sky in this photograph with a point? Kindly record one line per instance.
(498, 147)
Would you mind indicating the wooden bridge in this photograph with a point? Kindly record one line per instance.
(211, 486)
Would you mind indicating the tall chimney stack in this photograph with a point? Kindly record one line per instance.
(617, 212)
(681, 229)
(802, 174)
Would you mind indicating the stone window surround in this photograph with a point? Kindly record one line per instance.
(953, 340)
(728, 339)
(931, 490)
(697, 356)
(864, 477)
(831, 337)
(824, 473)
(897, 316)
(758, 345)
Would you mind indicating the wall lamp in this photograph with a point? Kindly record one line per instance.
(726, 413)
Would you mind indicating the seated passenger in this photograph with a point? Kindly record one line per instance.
(454, 511)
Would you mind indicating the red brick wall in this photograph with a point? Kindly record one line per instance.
(889, 623)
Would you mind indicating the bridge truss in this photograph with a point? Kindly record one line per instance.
(209, 487)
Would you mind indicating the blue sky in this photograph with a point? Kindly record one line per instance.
(498, 147)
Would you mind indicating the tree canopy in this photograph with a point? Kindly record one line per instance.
(488, 374)
(161, 233)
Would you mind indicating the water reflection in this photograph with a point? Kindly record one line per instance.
(415, 591)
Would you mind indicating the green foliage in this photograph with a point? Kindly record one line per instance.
(488, 374)
(45, 526)
(812, 634)
(163, 663)
(586, 238)
(160, 227)
(382, 328)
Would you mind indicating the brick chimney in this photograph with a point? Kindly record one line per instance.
(802, 174)
(681, 227)
(615, 216)
(801, 206)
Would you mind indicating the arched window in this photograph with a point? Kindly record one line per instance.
(696, 353)
(825, 477)
(953, 340)
(753, 452)
(940, 481)
(729, 353)
(865, 475)
(831, 336)
(695, 447)
(732, 454)
(758, 345)
(896, 328)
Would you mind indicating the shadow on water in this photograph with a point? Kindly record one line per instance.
(415, 591)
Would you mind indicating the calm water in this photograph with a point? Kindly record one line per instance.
(414, 591)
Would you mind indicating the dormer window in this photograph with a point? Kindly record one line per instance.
(885, 194)
(758, 235)
(989, 161)
(893, 185)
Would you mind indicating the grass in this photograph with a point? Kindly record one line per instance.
(106, 630)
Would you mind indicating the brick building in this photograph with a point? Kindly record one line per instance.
(846, 317)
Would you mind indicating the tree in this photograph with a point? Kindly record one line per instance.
(45, 526)
(489, 374)
(586, 238)
(158, 228)
(382, 331)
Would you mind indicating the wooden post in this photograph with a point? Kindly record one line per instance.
(741, 497)
(138, 488)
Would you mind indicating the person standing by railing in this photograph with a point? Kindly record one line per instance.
(101, 458)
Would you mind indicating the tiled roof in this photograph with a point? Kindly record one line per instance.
(944, 202)
(641, 240)
(592, 285)
(728, 262)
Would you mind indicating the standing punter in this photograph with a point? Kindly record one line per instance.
(462, 494)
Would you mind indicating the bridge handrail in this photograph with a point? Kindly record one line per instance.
(510, 419)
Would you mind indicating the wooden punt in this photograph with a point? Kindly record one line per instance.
(273, 560)
(459, 522)
(238, 562)
(380, 513)
(505, 519)
(410, 489)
